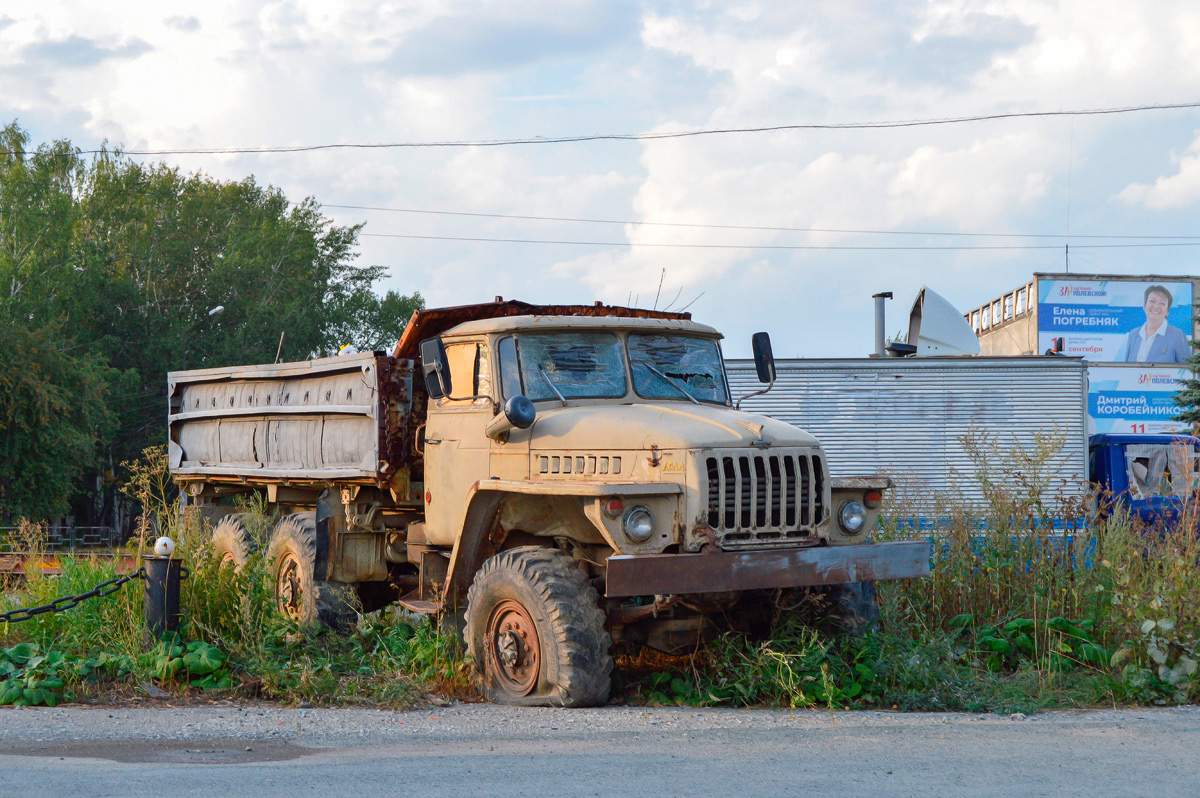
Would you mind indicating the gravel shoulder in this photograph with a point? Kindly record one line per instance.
(258, 750)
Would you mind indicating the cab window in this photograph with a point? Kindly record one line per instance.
(510, 372)
(469, 374)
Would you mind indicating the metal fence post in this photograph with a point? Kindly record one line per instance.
(161, 605)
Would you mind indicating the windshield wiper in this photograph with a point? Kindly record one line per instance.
(553, 387)
(670, 381)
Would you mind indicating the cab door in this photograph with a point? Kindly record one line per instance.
(457, 451)
(510, 456)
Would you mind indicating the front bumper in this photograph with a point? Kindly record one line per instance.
(714, 572)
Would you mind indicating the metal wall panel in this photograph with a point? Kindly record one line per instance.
(906, 416)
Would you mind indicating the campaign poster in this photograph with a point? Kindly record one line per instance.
(1116, 321)
(1134, 400)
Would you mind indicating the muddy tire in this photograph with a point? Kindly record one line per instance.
(291, 558)
(853, 610)
(232, 543)
(536, 632)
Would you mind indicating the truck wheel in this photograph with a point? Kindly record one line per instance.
(536, 632)
(292, 555)
(232, 543)
(853, 609)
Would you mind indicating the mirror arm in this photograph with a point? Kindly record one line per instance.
(494, 403)
(738, 404)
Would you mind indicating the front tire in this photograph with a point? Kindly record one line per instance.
(536, 632)
(305, 599)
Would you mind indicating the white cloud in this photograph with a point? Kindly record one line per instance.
(1174, 191)
(307, 71)
(967, 188)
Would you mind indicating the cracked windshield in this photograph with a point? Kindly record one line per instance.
(577, 366)
(675, 366)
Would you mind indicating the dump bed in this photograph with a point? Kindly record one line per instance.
(335, 418)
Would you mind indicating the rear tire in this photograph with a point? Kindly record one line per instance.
(305, 599)
(536, 632)
(232, 542)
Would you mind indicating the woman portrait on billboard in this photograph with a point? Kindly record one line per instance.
(1156, 341)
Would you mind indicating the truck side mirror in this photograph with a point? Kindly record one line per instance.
(518, 412)
(764, 360)
(436, 368)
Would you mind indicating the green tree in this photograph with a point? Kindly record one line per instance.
(108, 268)
(1188, 396)
(54, 414)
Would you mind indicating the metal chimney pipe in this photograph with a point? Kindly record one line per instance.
(880, 322)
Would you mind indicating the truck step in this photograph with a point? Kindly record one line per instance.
(409, 601)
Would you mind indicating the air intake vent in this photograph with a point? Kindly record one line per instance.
(756, 498)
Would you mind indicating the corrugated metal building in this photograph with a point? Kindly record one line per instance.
(905, 416)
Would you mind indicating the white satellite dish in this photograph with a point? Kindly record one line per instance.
(937, 328)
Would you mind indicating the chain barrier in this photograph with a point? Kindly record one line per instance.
(67, 602)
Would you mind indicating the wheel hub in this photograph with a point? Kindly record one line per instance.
(287, 588)
(513, 652)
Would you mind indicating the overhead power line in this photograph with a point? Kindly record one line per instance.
(698, 225)
(773, 246)
(679, 134)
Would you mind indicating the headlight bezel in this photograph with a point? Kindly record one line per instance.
(634, 515)
(852, 516)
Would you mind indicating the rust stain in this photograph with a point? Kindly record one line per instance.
(622, 614)
(654, 574)
(20, 563)
(426, 324)
(870, 482)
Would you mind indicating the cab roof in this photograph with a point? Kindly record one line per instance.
(513, 314)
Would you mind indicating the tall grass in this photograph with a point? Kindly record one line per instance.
(389, 659)
(1029, 605)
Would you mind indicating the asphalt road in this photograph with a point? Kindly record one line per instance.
(230, 750)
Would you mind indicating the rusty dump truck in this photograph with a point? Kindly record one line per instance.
(556, 479)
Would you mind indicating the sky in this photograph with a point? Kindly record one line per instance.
(247, 74)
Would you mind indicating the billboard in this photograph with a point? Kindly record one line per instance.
(1116, 321)
(1134, 399)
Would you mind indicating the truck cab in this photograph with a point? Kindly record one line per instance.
(636, 410)
(1154, 477)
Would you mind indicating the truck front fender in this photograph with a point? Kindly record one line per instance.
(486, 498)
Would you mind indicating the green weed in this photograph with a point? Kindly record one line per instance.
(1027, 607)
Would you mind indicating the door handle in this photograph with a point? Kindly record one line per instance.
(433, 440)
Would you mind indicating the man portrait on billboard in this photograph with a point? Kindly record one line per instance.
(1156, 341)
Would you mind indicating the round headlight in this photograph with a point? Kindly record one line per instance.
(639, 524)
(851, 516)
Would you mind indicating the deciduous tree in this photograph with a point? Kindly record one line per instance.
(108, 268)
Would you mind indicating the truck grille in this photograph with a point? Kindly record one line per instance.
(762, 498)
